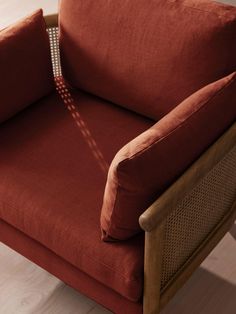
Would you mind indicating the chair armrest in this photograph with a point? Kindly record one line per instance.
(26, 71)
(162, 207)
(188, 221)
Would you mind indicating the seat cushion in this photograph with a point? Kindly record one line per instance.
(52, 183)
(146, 55)
(25, 65)
(66, 272)
(146, 166)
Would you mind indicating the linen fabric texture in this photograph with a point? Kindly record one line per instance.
(147, 56)
(66, 272)
(25, 63)
(147, 165)
(52, 184)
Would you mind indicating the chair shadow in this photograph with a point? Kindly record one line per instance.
(233, 232)
(204, 293)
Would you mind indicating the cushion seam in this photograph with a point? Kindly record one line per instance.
(197, 9)
(91, 258)
(105, 284)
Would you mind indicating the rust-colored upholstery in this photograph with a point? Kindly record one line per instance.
(146, 55)
(52, 184)
(146, 167)
(25, 65)
(65, 271)
(56, 152)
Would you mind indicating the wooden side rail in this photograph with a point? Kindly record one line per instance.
(187, 221)
(160, 209)
(51, 20)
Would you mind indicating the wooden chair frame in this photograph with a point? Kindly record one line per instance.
(154, 221)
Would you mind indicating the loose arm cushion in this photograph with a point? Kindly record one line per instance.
(25, 65)
(147, 56)
(147, 165)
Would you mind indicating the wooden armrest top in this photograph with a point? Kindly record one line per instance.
(51, 20)
(159, 210)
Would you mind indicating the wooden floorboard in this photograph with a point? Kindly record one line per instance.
(212, 288)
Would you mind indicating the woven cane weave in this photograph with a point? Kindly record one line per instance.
(55, 54)
(197, 214)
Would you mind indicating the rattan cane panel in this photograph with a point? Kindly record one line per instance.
(197, 214)
(55, 54)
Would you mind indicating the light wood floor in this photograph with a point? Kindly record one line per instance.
(27, 289)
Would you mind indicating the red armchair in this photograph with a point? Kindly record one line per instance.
(139, 135)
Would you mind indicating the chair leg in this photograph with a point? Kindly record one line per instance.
(152, 270)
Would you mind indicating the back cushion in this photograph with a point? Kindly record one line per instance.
(147, 56)
(25, 65)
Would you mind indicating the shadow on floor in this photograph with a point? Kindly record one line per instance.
(204, 293)
(233, 234)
